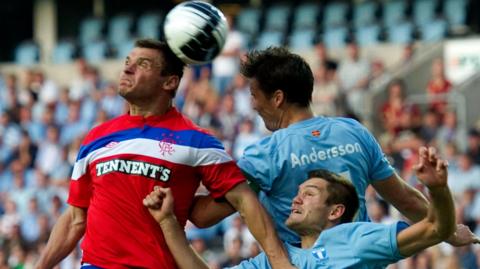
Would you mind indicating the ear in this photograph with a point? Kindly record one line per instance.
(278, 98)
(171, 83)
(336, 212)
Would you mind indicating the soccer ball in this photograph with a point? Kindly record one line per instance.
(195, 31)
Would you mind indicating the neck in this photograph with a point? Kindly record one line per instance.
(309, 238)
(151, 108)
(295, 114)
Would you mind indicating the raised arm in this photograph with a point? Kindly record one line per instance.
(409, 201)
(65, 235)
(245, 201)
(439, 224)
(207, 212)
(160, 204)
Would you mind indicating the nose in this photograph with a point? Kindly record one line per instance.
(297, 200)
(129, 68)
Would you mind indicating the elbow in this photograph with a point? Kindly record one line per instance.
(200, 221)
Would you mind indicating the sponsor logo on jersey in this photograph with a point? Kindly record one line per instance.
(316, 133)
(317, 155)
(145, 169)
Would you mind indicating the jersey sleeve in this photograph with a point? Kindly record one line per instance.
(258, 262)
(379, 168)
(257, 164)
(80, 182)
(377, 242)
(218, 171)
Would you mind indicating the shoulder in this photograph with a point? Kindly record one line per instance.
(106, 128)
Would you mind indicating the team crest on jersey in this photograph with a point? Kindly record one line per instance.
(166, 146)
(316, 133)
(320, 255)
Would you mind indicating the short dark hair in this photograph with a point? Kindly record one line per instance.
(277, 68)
(340, 191)
(172, 64)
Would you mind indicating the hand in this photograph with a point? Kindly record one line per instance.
(462, 237)
(431, 170)
(160, 203)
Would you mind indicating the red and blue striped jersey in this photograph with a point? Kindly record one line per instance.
(120, 162)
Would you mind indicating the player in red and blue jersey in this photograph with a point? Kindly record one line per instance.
(121, 161)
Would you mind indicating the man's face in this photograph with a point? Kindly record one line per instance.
(309, 210)
(141, 79)
(264, 106)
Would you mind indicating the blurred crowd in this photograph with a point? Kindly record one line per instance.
(42, 125)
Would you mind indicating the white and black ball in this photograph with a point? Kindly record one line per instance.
(195, 31)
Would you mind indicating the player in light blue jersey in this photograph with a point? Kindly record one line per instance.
(321, 213)
(281, 86)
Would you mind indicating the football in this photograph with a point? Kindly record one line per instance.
(195, 31)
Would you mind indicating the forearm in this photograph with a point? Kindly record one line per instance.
(184, 255)
(409, 201)
(207, 212)
(415, 208)
(64, 237)
(261, 226)
(442, 212)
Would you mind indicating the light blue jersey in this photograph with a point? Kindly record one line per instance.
(360, 245)
(281, 162)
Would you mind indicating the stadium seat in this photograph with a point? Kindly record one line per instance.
(248, 21)
(434, 31)
(401, 33)
(305, 16)
(393, 12)
(149, 25)
(95, 52)
(423, 11)
(455, 11)
(119, 29)
(27, 53)
(335, 38)
(364, 14)
(302, 39)
(269, 38)
(277, 17)
(367, 35)
(335, 15)
(122, 50)
(64, 52)
(90, 30)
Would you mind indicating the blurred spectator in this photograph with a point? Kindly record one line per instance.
(322, 57)
(225, 66)
(111, 102)
(9, 99)
(408, 53)
(246, 136)
(397, 115)
(238, 230)
(241, 95)
(353, 74)
(47, 89)
(233, 253)
(9, 131)
(25, 152)
(73, 126)
(437, 87)
(81, 85)
(61, 107)
(429, 128)
(229, 120)
(49, 155)
(29, 223)
(450, 132)
(378, 212)
(467, 176)
(473, 146)
(325, 90)
(9, 219)
(379, 77)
